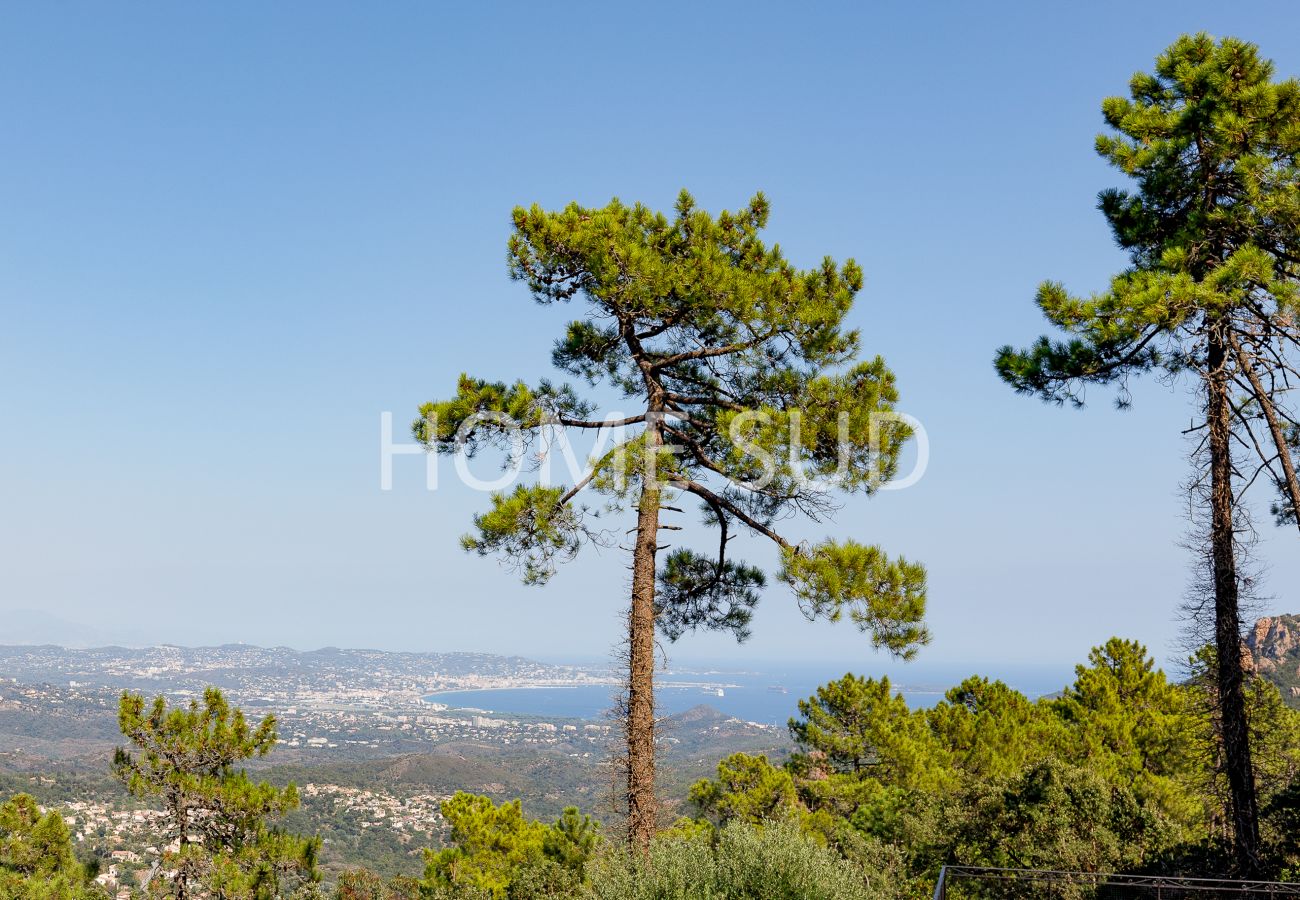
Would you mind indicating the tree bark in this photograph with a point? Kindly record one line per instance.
(641, 637)
(1227, 621)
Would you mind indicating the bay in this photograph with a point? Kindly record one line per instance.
(768, 696)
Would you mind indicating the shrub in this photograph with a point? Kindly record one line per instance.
(772, 861)
(497, 852)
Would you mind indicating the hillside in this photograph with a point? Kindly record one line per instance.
(379, 811)
(1274, 646)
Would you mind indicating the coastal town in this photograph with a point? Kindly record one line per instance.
(363, 735)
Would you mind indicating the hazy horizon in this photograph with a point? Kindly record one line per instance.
(37, 628)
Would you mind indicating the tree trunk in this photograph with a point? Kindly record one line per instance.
(641, 661)
(1227, 622)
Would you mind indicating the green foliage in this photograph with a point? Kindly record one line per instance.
(1117, 772)
(36, 857)
(1056, 816)
(1274, 743)
(572, 839)
(859, 726)
(883, 596)
(1212, 145)
(1215, 103)
(775, 861)
(745, 377)
(749, 789)
(1211, 142)
(499, 853)
(844, 436)
(219, 820)
(490, 843)
(695, 592)
(748, 398)
(1133, 725)
(33, 842)
(1281, 818)
(530, 527)
(988, 730)
(482, 412)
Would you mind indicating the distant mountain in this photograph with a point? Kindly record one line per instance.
(701, 714)
(35, 627)
(1274, 646)
(280, 674)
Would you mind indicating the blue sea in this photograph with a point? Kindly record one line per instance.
(768, 695)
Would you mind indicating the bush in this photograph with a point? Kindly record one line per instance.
(497, 852)
(773, 861)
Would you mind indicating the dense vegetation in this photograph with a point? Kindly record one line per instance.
(1120, 771)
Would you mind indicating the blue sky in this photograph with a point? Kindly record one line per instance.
(234, 234)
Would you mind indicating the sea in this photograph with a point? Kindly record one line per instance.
(767, 695)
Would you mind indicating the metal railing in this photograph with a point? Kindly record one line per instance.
(988, 882)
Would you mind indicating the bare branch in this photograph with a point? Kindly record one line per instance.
(607, 423)
(713, 499)
(1290, 482)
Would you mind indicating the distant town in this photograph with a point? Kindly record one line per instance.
(361, 732)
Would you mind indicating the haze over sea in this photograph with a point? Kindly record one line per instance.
(767, 693)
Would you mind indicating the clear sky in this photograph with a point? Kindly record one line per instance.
(234, 234)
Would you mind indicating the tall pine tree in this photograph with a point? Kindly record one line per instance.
(1213, 233)
(749, 397)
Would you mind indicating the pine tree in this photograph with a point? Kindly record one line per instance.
(989, 730)
(497, 851)
(862, 727)
(750, 399)
(749, 789)
(1132, 725)
(219, 820)
(36, 856)
(1213, 234)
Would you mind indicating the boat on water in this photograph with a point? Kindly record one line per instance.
(777, 689)
(714, 691)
